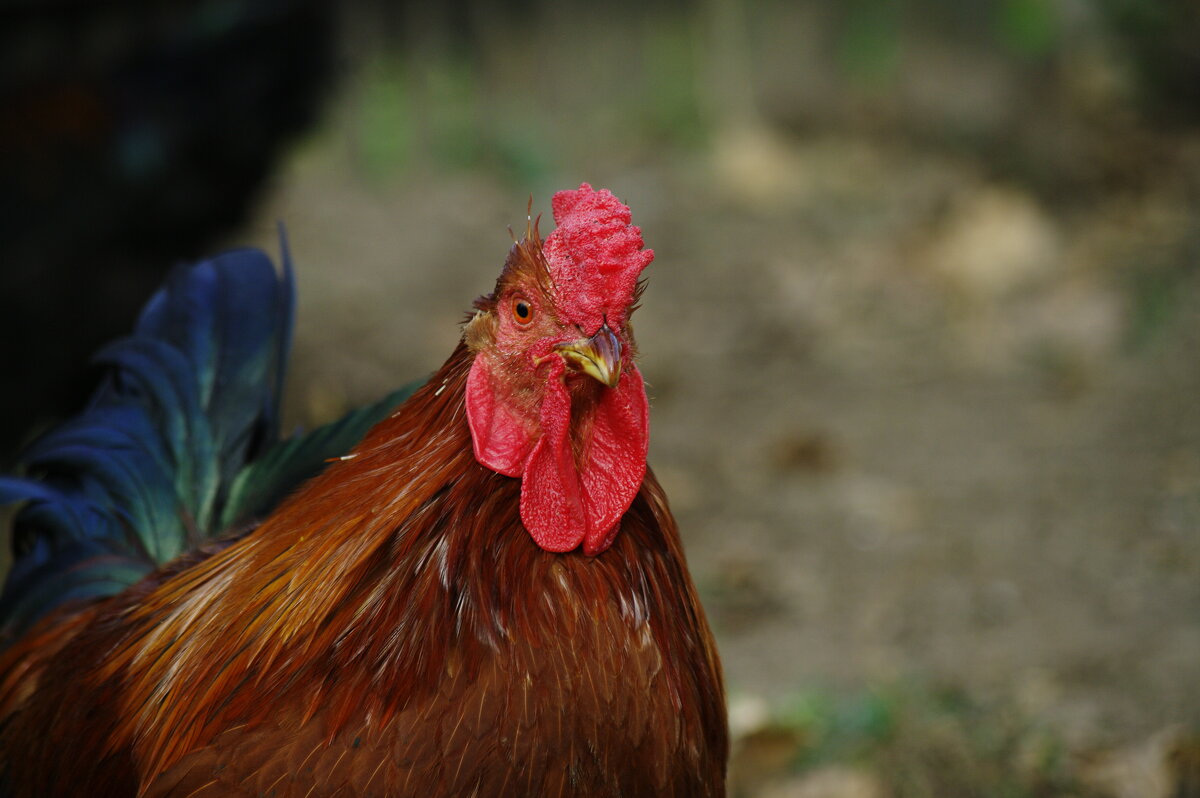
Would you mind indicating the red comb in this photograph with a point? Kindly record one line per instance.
(595, 256)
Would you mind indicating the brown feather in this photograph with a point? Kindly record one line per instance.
(390, 630)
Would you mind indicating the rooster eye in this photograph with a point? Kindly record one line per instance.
(522, 311)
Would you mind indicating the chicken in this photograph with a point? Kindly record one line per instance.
(486, 596)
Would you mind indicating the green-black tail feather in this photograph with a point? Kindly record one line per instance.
(179, 443)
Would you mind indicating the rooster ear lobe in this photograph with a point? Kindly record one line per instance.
(501, 440)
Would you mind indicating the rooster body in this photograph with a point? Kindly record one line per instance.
(461, 605)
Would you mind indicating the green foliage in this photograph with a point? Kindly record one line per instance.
(435, 115)
(521, 154)
(869, 45)
(1155, 285)
(839, 727)
(384, 131)
(1028, 28)
(451, 112)
(871, 35)
(670, 106)
(1154, 300)
(929, 743)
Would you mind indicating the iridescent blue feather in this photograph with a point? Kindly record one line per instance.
(179, 444)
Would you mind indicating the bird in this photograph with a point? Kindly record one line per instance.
(474, 587)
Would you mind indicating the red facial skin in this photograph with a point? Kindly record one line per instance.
(579, 447)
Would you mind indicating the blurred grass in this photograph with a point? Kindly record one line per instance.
(433, 117)
(452, 108)
(385, 137)
(1154, 287)
(918, 741)
(1028, 28)
(666, 83)
(869, 45)
(670, 105)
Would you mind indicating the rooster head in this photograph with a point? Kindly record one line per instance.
(553, 396)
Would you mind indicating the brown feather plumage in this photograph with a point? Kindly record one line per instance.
(390, 630)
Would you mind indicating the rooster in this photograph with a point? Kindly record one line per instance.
(485, 596)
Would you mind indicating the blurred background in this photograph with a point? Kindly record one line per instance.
(921, 335)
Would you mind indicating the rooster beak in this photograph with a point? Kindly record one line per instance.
(598, 356)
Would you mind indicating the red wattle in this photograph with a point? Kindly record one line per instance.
(616, 461)
(552, 506)
(563, 505)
